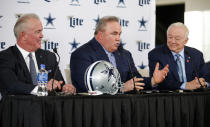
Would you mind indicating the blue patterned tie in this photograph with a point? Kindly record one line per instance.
(32, 70)
(179, 67)
(112, 59)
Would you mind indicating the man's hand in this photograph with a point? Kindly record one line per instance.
(69, 89)
(159, 75)
(56, 84)
(129, 85)
(194, 84)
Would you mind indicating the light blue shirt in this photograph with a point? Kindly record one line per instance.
(182, 59)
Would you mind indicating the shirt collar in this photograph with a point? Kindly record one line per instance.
(24, 52)
(107, 52)
(181, 53)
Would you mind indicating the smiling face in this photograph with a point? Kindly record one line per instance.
(30, 38)
(176, 38)
(109, 37)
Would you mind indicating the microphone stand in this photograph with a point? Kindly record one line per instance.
(53, 92)
(129, 65)
(196, 73)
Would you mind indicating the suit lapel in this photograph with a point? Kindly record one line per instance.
(172, 63)
(22, 63)
(100, 53)
(188, 66)
(39, 58)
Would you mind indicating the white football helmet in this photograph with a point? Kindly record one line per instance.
(102, 77)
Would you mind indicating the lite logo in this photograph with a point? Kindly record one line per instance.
(121, 4)
(74, 3)
(144, 2)
(50, 45)
(74, 21)
(143, 46)
(2, 45)
(124, 22)
(99, 1)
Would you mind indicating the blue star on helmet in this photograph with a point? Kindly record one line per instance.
(109, 71)
(142, 22)
(97, 20)
(142, 66)
(49, 20)
(74, 44)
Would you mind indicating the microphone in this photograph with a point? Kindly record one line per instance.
(194, 68)
(55, 51)
(121, 49)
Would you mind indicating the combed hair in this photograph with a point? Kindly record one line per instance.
(21, 22)
(179, 24)
(102, 23)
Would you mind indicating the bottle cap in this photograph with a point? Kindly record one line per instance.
(42, 66)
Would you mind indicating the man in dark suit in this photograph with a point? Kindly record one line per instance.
(15, 76)
(104, 46)
(184, 62)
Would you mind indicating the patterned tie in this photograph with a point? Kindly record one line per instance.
(179, 67)
(32, 70)
(112, 59)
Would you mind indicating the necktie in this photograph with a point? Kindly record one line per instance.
(112, 59)
(32, 69)
(179, 67)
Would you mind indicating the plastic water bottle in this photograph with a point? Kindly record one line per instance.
(42, 79)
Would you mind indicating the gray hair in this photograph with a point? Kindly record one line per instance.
(102, 23)
(21, 23)
(179, 24)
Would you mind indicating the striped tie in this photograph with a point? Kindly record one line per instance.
(32, 69)
(179, 67)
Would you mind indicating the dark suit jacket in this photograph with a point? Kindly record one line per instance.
(15, 77)
(163, 55)
(92, 52)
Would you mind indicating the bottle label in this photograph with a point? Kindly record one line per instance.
(43, 77)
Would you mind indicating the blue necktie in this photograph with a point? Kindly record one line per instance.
(32, 69)
(179, 67)
(112, 59)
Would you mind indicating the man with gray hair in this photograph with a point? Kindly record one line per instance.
(187, 70)
(104, 46)
(19, 64)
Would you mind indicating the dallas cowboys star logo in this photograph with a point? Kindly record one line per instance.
(75, 3)
(109, 71)
(142, 24)
(121, 43)
(74, 44)
(121, 4)
(142, 66)
(49, 20)
(47, 0)
(97, 20)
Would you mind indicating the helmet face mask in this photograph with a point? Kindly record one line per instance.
(102, 76)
